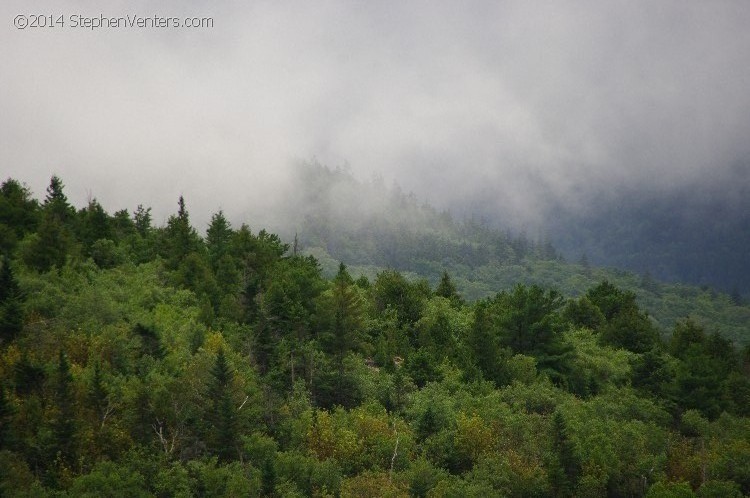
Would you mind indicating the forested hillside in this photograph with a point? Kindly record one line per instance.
(371, 227)
(142, 360)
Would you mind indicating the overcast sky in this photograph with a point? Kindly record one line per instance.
(506, 105)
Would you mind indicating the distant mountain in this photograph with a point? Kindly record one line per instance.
(699, 235)
(371, 227)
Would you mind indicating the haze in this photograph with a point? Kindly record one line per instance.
(509, 108)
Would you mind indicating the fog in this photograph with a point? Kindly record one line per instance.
(504, 108)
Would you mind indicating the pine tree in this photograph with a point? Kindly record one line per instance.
(218, 238)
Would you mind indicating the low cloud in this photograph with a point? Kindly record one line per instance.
(502, 107)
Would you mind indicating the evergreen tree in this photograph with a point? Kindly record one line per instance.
(483, 344)
(56, 202)
(218, 238)
(179, 237)
(344, 320)
(447, 289)
(223, 416)
(565, 466)
(342, 325)
(49, 246)
(94, 224)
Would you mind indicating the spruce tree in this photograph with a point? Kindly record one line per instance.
(180, 238)
(218, 238)
(56, 202)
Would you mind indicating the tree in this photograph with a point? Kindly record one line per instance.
(56, 202)
(218, 238)
(392, 289)
(564, 466)
(94, 224)
(49, 246)
(64, 423)
(342, 318)
(142, 220)
(11, 311)
(341, 325)
(483, 343)
(179, 237)
(610, 300)
(529, 323)
(19, 214)
(6, 417)
(625, 325)
(447, 290)
(223, 416)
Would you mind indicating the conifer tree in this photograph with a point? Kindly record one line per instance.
(484, 348)
(223, 417)
(344, 319)
(447, 289)
(180, 238)
(565, 466)
(218, 238)
(94, 224)
(56, 202)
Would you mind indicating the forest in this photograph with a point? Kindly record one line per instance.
(402, 353)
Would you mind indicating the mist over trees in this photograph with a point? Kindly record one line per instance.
(159, 361)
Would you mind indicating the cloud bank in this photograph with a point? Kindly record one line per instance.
(508, 108)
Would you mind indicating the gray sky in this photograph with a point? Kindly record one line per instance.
(502, 105)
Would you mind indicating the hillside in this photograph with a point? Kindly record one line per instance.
(142, 360)
(371, 227)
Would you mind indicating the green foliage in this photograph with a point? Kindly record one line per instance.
(155, 363)
(11, 300)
